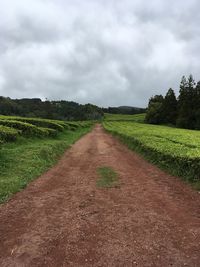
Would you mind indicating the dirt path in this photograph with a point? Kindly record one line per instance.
(63, 219)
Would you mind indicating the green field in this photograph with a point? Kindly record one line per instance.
(173, 149)
(121, 117)
(28, 147)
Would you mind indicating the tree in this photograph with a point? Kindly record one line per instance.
(186, 116)
(185, 112)
(197, 106)
(154, 113)
(170, 107)
(62, 110)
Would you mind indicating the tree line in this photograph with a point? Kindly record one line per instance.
(126, 110)
(58, 110)
(182, 111)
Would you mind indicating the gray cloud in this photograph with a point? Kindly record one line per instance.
(104, 52)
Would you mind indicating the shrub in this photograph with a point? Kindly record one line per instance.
(49, 132)
(8, 134)
(27, 129)
(176, 150)
(38, 122)
(73, 125)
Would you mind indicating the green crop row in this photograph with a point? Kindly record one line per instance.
(28, 129)
(48, 131)
(74, 125)
(8, 134)
(52, 124)
(37, 122)
(85, 124)
(176, 150)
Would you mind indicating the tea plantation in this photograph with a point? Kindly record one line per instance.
(29, 146)
(177, 150)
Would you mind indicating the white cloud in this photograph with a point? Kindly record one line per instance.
(105, 52)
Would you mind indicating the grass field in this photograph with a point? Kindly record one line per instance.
(121, 117)
(176, 150)
(27, 150)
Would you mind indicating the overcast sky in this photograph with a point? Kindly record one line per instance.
(108, 53)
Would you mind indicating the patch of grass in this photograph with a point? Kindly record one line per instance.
(26, 159)
(108, 177)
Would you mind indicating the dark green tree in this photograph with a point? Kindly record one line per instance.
(185, 112)
(170, 107)
(154, 113)
(186, 117)
(197, 106)
(62, 110)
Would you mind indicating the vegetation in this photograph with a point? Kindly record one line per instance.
(183, 112)
(8, 134)
(108, 177)
(57, 110)
(122, 117)
(177, 150)
(27, 129)
(57, 125)
(124, 110)
(27, 158)
(12, 127)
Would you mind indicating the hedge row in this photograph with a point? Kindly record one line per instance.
(46, 123)
(188, 168)
(27, 129)
(86, 124)
(35, 127)
(48, 131)
(8, 134)
(74, 125)
(38, 122)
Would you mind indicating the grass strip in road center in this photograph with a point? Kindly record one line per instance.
(107, 177)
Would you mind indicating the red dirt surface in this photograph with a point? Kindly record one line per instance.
(64, 219)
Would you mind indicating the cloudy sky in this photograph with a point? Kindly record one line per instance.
(105, 52)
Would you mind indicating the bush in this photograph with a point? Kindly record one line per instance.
(38, 122)
(176, 150)
(8, 134)
(73, 125)
(27, 129)
(49, 132)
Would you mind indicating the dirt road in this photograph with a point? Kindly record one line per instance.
(64, 219)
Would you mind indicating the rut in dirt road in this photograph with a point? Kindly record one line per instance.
(64, 219)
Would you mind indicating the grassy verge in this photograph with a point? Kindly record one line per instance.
(26, 159)
(108, 177)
